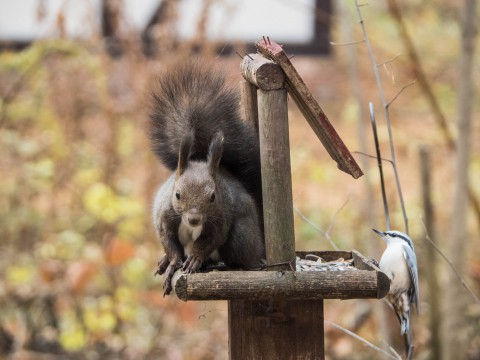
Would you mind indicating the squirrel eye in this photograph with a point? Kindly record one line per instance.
(212, 197)
(177, 195)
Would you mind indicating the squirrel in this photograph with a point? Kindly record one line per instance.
(210, 207)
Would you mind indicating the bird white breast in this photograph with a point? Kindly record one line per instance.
(394, 265)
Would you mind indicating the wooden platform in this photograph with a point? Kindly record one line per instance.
(364, 281)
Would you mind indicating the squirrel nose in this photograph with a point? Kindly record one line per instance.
(194, 218)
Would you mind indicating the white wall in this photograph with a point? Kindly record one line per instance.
(283, 20)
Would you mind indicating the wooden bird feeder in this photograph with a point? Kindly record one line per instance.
(278, 313)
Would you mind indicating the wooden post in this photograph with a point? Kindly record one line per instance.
(276, 179)
(279, 328)
(259, 73)
(249, 103)
(263, 73)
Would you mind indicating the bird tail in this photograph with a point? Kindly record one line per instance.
(402, 310)
(404, 318)
(408, 344)
(406, 331)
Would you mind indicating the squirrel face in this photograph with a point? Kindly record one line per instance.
(194, 196)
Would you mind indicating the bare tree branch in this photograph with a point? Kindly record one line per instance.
(387, 113)
(427, 91)
(330, 227)
(347, 43)
(462, 281)
(401, 91)
(389, 61)
(380, 167)
(316, 227)
(372, 156)
(394, 356)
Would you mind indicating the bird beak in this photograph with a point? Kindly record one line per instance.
(382, 234)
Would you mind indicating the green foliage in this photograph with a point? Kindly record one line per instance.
(71, 211)
(103, 204)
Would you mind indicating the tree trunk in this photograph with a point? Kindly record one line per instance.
(435, 317)
(455, 330)
(111, 11)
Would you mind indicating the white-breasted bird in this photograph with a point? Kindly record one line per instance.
(399, 263)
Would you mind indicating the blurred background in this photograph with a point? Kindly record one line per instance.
(78, 250)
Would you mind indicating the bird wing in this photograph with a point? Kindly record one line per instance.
(411, 260)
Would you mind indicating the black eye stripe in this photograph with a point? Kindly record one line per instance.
(407, 240)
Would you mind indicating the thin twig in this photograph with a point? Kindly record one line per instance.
(372, 156)
(390, 61)
(221, 51)
(316, 227)
(401, 90)
(366, 342)
(336, 213)
(391, 349)
(387, 113)
(384, 65)
(380, 167)
(347, 43)
(427, 237)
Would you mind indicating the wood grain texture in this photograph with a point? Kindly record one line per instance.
(278, 329)
(276, 179)
(248, 93)
(383, 281)
(365, 282)
(269, 285)
(262, 72)
(310, 109)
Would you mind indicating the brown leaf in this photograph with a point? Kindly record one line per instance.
(118, 251)
(79, 274)
(51, 270)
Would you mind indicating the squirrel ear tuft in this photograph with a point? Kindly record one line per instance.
(215, 152)
(184, 152)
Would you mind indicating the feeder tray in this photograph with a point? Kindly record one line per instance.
(358, 278)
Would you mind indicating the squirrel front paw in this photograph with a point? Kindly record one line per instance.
(162, 265)
(167, 268)
(192, 264)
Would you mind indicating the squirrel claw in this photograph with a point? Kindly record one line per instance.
(167, 268)
(163, 264)
(192, 264)
(167, 284)
(167, 287)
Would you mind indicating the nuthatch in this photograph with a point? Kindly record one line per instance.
(399, 263)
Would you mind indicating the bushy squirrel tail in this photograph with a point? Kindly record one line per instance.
(192, 97)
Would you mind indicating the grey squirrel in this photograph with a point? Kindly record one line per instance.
(211, 205)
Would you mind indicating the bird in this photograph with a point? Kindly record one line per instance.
(399, 263)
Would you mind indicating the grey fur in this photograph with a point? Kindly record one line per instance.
(193, 97)
(196, 130)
